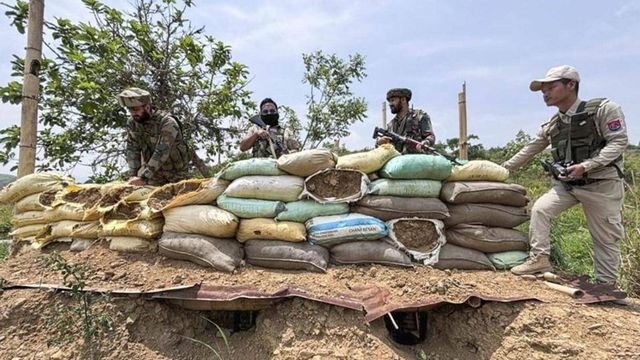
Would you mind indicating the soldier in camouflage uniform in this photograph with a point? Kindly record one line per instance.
(273, 140)
(412, 123)
(156, 151)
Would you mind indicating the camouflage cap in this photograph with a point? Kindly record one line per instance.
(134, 97)
(399, 92)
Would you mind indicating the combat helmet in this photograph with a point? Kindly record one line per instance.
(132, 97)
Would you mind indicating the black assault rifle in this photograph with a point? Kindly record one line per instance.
(378, 131)
(276, 145)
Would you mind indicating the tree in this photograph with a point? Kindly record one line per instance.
(475, 151)
(153, 47)
(331, 105)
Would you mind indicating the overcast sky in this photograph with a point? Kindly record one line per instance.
(431, 47)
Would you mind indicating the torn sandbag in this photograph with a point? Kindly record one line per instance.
(335, 186)
(186, 192)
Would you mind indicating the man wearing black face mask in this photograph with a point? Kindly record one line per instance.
(271, 140)
(156, 151)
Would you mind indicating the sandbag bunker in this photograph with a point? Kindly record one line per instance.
(303, 211)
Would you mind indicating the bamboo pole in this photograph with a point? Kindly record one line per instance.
(384, 114)
(31, 90)
(462, 110)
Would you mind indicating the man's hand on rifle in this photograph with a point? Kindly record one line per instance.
(383, 140)
(136, 181)
(573, 172)
(262, 134)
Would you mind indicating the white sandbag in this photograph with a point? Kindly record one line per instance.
(29, 218)
(29, 203)
(28, 231)
(283, 188)
(144, 229)
(306, 162)
(201, 219)
(67, 229)
(336, 229)
(31, 184)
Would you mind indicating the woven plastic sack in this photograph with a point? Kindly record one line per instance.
(368, 161)
(486, 214)
(456, 257)
(283, 188)
(406, 188)
(29, 218)
(286, 255)
(186, 192)
(508, 259)
(132, 244)
(337, 229)
(487, 239)
(269, 229)
(250, 208)
(145, 229)
(464, 192)
(417, 166)
(303, 210)
(29, 203)
(201, 219)
(393, 207)
(255, 166)
(31, 184)
(479, 170)
(28, 231)
(369, 252)
(220, 254)
(421, 238)
(66, 229)
(306, 162)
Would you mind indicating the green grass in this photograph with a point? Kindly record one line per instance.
(6, 212)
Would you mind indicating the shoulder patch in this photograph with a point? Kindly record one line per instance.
(614, 125)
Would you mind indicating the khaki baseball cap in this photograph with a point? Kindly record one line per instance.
(554, 74)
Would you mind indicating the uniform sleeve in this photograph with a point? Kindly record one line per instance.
(169, 131)
(611, 124)
(290, 141)
(133, 150)
(426, 130)
(534, 147)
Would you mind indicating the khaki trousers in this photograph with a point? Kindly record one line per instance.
(602, 205)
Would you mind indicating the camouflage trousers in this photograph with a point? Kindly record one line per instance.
(161, 177)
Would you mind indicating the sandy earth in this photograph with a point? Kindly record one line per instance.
(301, 329)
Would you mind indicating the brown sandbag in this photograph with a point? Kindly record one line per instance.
(463, 192)
(131, 244)
(486, 214)
(336, 186)
(220, 254)
(394, 207)
(487, 239)
(369, 252)
(456, 257)
(186, 192)
(286, 255)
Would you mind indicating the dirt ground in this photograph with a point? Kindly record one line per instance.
(335, 183)
(302, 329)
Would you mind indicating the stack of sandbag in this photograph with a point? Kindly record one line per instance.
(483, 210)
(31, 196)
(406, 195)
(194, 228)
(266, 199)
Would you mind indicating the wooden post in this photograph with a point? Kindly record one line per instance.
(31, 90)
(462, 110)
(384, 114)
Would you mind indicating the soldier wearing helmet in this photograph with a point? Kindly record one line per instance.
(412, 123)
(156, 150)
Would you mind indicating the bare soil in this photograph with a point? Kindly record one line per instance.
(115, 195)
(124, 211)
(46, 198)
(161, 198)
(335, 183)
(416, 235)
(88, 197)
(302, 329)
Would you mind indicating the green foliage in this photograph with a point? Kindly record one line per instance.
(152, 46)
(331, 105)
(215, 348)
(3, 253)
(80, 314)
(6, 212)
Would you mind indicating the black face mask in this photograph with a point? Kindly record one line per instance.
(270, 119)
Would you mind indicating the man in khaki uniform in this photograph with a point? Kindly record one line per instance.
(589, 138)
(272, 140)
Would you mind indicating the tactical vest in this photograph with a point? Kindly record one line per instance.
(261, 147)
(179, 154)
(409, 127)
(579, 139)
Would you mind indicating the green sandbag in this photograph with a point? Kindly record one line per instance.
(303, 210)
(406, 188)
(250, 208)
(507, 259)
(255, 166)
(417, 166)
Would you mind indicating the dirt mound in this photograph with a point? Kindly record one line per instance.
(162, 197)
(299, 329)
(335, 183)
(416, 235)
(88, 196)
(47, 197)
